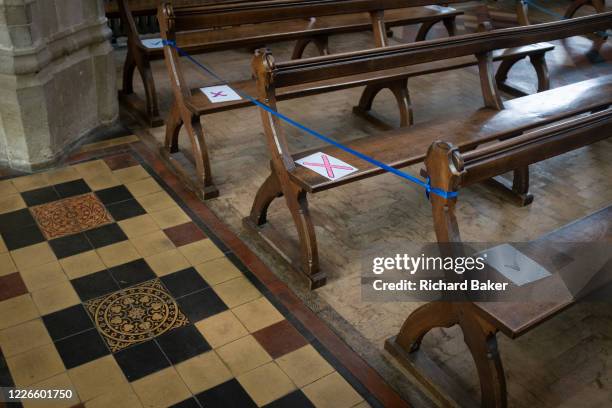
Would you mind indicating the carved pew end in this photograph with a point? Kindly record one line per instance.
(138, 109)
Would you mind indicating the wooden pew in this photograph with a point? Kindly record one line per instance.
(398, 148)
(451, 170)
(190, 104)
(302, 29)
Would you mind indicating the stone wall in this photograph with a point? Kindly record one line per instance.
(57, 78)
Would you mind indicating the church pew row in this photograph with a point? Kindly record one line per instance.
(190, 104)
(586, 271)
(497, 120)
(228, 34)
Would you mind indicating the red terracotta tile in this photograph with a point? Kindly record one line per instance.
(184, 234)
(11, 285)
(120, 161)
(280, 338)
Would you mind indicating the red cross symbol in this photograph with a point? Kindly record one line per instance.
(328, 166)
(217, 94)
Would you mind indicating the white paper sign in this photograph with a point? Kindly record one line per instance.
(153, 43)
(514, 265)
(326, 165)
(220, 93)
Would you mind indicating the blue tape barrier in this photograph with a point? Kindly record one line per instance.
(425, 184)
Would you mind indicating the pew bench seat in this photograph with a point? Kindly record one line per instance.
(199, 103)
(407, 146)
(255, 35)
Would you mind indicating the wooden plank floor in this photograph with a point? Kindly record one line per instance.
(564, 363)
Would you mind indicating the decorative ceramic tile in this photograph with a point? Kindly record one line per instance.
(71, 215)
(135, 314)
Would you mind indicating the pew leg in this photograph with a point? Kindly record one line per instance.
(598, 5)
(268, 191)
(298, 206)
(424, 30)
(539, 64)
(479, 336)
(451, 25)
(127, 87)
(422, 321)
(402, 96)
(144, 68)
(520, 186)
(173, 128)
(501, 77)
(205, 187)
(321, 42)
(481, 340)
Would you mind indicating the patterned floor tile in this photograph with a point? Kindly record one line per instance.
(110, 288)
(135, 314)
(70, 215)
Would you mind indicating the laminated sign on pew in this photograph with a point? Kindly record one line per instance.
(220, 93)
(326, 165)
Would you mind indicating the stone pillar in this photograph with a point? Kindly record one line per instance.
(57, 78)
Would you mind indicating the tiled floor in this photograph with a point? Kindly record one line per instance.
(109, 288)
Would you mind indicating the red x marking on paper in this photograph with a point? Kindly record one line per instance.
(216, 94)
(328, 166)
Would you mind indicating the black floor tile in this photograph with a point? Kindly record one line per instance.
(296, 399)
(132, 273)
(114, 195)
(67, 322)
(188, 403)
(106, 235)
(72, 188)
(201, 305)
(184, 282)
(141, 360)
(40, 196)
(70, 245)
(23, 237)
(94, 285)
(15, 220)
(230, 394)
(125, 209)
(182, 343)
(81, 348)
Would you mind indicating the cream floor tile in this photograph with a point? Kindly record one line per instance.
(54, 298)
(161, 389)
(201, 251)
(243, 355)
(42, 276)
(138, 226)
(7, 266)
(31, 182)
(203, 372)
(304, 365)
(97, 377)
(143, 187)
(23, 337)
(120, 397)
(156, 202)
(58, 382)
(118, 254)
(167, 262)
(82, 264)
(218, 270)
(170, 217)
(62, 175)
(266, 384)
(11, 203)
(35, 365)
(257, 314)
(131, 174)
(17, 310)
(152, 243)
(3, 248)
(33, 255)
(221, 329)
(332, 391)
(236, 292)
(7, 188)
